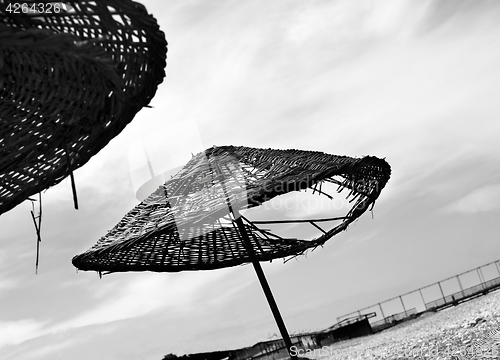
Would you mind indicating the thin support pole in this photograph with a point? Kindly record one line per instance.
(297, 220)
(317, 227)
(460, 284)
(402, 303)
(422, 296)
(264, 283)
(442, 293)
(481, 277)
(382, 312)
(256, 265)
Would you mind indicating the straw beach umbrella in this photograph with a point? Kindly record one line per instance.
(72, 76)
(195, 220)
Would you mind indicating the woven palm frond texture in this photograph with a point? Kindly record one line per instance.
(70, 81)
(186, 223)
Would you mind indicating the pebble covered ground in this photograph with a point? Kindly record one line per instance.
(470, 330)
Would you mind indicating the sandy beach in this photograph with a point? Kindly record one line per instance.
(470, 330)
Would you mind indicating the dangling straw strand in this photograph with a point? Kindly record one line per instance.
(73, 185)
(38, 228)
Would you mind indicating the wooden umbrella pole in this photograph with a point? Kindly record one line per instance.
(263, 281)
(256, 264)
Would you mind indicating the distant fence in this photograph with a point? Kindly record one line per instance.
(395, 317)
(441, 294)
(352, 320)
(466, 293)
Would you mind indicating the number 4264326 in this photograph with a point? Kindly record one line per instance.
(35, 8)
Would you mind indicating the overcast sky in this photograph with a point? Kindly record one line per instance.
(416, 82)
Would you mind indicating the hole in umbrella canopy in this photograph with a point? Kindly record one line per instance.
(304, 214)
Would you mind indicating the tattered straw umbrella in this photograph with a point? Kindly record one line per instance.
(72, 76)
(194, 220)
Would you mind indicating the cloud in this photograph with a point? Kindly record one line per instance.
(15, 332)
(484, 199)
(50, 349)
(8, 284)
(350, 21)
(174, 294)
(144, 294)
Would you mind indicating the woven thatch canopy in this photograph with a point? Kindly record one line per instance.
(70, 82)
(185, 224)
